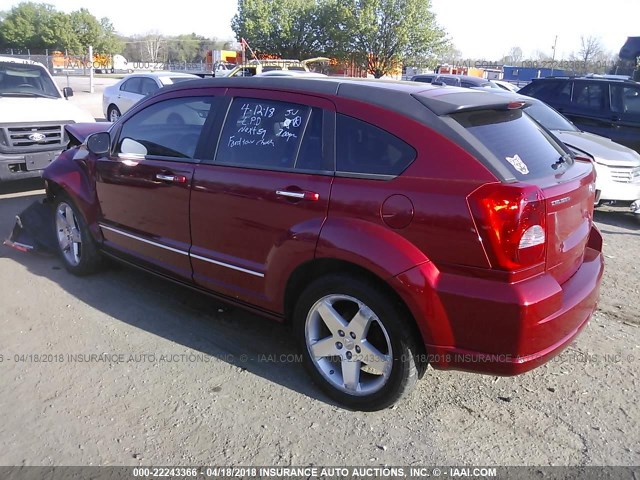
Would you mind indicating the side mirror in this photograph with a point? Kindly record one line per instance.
(99, 143)
(67, 92)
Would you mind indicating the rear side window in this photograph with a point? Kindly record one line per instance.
(148, 86)
(262, 133)
(625, 99)
(366, 149)
(589, 95)
(517, 141)
(133, 85)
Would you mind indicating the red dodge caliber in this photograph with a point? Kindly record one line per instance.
(393, 224)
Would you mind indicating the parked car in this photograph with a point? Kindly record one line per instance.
(424, 77)
(222, 69)
(617, 167)
(291, 73)
(508, 86)
(605, 106)
(33, 113)
(465, 81)
(256, 67)
(120, 97)
(392, 224)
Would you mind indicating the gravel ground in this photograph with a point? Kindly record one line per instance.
(192, 382)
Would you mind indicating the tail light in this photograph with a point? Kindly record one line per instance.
(510, 220)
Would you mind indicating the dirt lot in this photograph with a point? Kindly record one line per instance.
(188, 381)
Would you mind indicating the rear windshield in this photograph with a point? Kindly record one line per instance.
(517, 141)
(180, 79)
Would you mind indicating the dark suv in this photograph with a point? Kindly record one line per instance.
(393, 224)
(605, 106)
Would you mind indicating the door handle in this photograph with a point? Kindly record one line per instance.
(299, 195)
(171, 178)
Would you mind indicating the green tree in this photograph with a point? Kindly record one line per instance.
(186, 48)
(379, 34)
(39, 26)
(87, 30)
(386, 33)
(29, 25)
(288, 28)
(109, 41)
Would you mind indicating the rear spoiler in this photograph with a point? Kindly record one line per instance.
(456, 101)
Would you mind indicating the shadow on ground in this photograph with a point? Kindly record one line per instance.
(617, 217)
(176, 313)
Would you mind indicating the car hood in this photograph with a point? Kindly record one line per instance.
(602, 149)
(36, 109)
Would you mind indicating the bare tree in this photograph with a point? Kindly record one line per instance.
(591, 48)
(153, 47)
(515, 55)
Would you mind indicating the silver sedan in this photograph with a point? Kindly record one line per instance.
(120, 97)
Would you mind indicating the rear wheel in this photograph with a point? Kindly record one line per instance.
(113, 113)
(77, 248)
(356, 342)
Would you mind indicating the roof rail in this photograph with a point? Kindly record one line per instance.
(622, 78)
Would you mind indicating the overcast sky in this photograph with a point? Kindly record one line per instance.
(480, 29)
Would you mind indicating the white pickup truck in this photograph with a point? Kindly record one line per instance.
(33, 113)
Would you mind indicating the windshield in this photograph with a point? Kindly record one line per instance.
(549, 118)
(24, 79)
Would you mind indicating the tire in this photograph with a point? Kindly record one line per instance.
(113, 113)
(76, 247)
(369, 325)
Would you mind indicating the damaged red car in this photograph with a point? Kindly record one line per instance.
(393, 224)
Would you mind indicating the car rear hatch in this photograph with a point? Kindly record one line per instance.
(569, 219)
(540, 213)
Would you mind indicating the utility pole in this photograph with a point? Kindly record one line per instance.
(553, 57)
(91, 89)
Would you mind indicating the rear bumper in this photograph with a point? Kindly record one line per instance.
(501, 328)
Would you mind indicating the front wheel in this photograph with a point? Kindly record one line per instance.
(76, 246)
(356, 342)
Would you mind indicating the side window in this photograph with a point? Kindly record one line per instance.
(589, 95)
(148, 86)
(132, 85)
(313, 154)
(262, 133)
(170, 128)
(564, 93)
(546, 90)
(364, 148)
(625, 99)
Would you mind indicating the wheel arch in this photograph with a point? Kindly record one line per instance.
(71, 178)
(319, 267)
